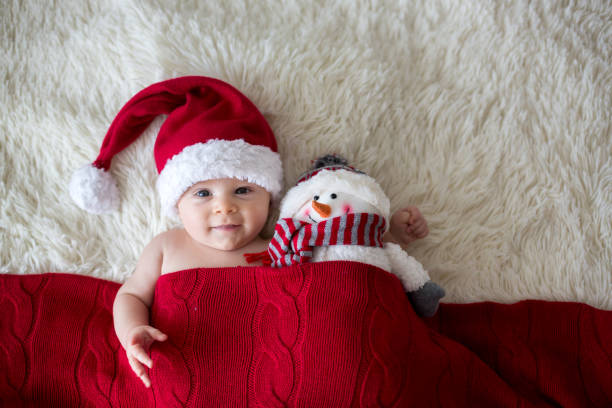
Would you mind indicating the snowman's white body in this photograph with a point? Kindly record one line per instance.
(391, 257)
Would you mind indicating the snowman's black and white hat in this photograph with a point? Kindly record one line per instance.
(333, 172)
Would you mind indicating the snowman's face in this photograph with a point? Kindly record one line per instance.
(330, 204)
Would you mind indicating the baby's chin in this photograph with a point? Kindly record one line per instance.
(228, 246)
(233, 245)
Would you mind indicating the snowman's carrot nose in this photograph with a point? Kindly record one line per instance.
(323, 210)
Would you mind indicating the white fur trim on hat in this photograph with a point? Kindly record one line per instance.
(94, 190)
(217, 159)
(357, 184)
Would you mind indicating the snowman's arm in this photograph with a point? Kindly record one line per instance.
(410, 272)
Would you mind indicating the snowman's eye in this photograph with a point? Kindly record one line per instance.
(334, 196)
(316, 198)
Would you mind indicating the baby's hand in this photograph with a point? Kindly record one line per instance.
(139, 340)
(408, 224)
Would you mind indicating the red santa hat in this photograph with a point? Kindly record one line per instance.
(332, 172)
(212, 131)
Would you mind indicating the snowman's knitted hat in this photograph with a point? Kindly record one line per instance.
(332, 172)
(212, 131)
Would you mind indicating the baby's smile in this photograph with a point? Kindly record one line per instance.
(227, 227)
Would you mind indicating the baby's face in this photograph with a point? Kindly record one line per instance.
(224, 214)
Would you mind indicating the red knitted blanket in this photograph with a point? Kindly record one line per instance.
(330, 334)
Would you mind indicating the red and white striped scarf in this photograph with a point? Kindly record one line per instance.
(294, 240)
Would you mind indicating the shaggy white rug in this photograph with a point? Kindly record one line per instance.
(492, 117)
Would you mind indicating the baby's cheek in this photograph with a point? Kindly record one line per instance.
(347, 209)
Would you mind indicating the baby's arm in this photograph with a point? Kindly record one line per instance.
(407, 225)
(131, 310)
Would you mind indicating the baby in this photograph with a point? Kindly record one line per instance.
(219, 172)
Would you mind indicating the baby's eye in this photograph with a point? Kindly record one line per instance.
(242, 190)
(202, 193)
(334, 196)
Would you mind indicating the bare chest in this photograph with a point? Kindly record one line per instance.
(182, 257)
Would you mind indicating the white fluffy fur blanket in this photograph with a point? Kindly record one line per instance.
(493, 117)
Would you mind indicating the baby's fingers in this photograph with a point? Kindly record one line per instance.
(415, 217)
(139, 353)
(156, 334)
(417, 225)
(139, 369)
(419, 229)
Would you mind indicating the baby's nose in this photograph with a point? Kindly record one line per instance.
(225, 206)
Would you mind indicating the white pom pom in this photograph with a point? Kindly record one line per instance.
(94, 190)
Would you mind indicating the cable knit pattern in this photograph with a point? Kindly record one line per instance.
(329, 334)
(279, 320)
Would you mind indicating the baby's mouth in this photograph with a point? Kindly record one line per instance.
(227, 227)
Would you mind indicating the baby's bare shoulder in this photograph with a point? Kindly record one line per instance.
(177, 251)
(162, 245)
(169, 239)
(148, 269)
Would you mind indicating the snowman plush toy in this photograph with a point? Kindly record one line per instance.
(336, 212)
